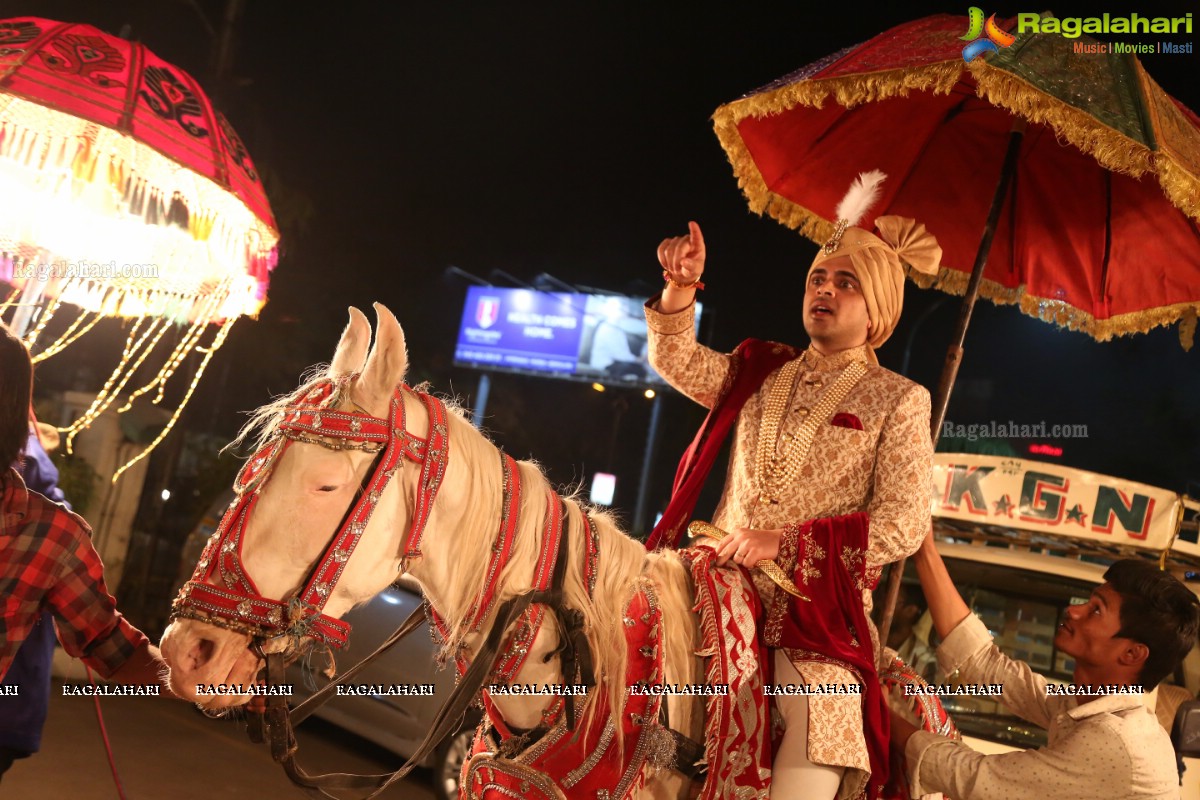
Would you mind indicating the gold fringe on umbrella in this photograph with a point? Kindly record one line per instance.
(1112, 149)
(848, 92)
(1064, 315)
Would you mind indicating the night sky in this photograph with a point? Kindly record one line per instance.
(570, 139)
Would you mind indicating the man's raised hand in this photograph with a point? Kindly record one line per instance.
(682, 257)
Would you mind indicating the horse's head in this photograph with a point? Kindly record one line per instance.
(324, 466)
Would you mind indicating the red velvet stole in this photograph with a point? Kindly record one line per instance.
(832, 628)
(752, 362)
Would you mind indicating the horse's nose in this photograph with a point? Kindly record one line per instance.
(198, 654)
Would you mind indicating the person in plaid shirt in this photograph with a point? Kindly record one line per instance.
(23, 715)
(47, 561)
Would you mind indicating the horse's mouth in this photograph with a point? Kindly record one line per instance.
(224, 712)
(220, 695)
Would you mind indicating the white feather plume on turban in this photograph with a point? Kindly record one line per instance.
(878, 259)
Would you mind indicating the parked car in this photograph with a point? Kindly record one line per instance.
(395, 722)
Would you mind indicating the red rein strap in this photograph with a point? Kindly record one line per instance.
(510, 519)
(517, 647)
(112, 762)
(239, 605)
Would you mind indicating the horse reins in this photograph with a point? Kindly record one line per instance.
(277, 723)
(314, 418)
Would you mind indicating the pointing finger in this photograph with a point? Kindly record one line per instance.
(695, 238)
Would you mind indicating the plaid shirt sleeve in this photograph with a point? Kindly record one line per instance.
(89, 625)
(49, 562)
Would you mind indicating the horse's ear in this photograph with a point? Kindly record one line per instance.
(352, 348)
(388, 360)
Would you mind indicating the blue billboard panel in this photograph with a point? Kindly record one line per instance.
(562, 334)
(520, 329)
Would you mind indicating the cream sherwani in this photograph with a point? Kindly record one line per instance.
(882, 469)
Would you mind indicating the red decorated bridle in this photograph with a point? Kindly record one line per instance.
(221, 593)
(236, 604)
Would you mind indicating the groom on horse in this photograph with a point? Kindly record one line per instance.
(828, 477)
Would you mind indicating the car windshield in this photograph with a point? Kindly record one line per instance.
(1022, 609)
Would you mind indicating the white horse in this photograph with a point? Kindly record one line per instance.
(310, 488)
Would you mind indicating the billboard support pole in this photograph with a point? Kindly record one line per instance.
(481, 398)
(639, 515)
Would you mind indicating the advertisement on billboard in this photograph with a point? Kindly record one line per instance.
(587, 337)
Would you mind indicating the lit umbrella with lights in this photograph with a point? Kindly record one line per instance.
(1061, 179)
(123, 193)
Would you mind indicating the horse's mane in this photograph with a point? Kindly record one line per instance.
(623, 566)
(620, 565)
(263, 421)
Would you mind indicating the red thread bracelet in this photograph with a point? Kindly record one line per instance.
(697, 285)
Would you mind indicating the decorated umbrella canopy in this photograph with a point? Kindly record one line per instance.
(123, 193)
(1081, 222)
(1055, 172)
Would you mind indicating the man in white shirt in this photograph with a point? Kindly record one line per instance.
(1130, 634)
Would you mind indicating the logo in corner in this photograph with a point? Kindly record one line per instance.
(487, 311)
(984, 37)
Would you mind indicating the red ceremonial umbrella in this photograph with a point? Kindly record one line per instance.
(1056, 175)
(124, 193)
(1105, 181)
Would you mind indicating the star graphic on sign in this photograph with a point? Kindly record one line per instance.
(1076, 515)
(1004, 506)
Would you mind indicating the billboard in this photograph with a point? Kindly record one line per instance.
(587, 337)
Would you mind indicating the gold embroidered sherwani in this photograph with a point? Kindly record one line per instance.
(882, 469)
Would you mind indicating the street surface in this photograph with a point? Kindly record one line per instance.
(167, 750)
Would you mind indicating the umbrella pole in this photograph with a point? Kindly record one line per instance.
(954, 352)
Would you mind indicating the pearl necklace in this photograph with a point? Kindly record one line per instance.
(776, 471)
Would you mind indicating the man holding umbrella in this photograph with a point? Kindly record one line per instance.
(1131, 634)
(828, 448)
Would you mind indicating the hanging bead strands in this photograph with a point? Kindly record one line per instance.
(119, 377)
(45, 317)
(76, 329)
(208, 352)
(187, 343)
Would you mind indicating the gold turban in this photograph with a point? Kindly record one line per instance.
(878, 263)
